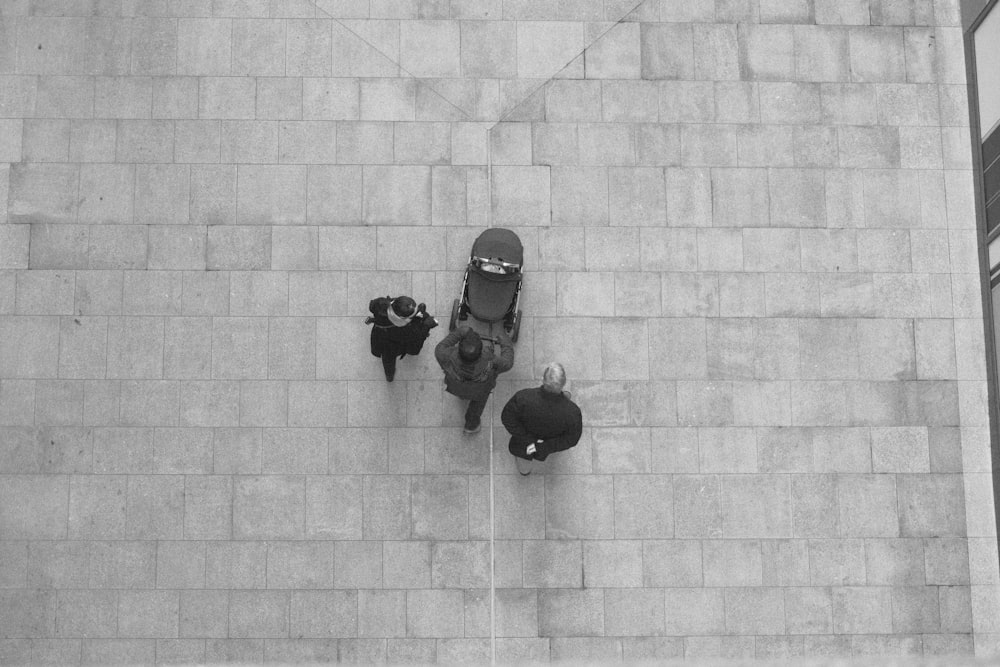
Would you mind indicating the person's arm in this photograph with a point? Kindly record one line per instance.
(510, 417)
(505, 361)
(442, 348)
(563, 441)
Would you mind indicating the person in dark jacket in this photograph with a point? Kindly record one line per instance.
(542, 420)
(399, 328)
(470, 371)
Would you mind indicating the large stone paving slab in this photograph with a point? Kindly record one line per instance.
(749, 236)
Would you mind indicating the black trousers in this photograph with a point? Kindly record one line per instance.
(474, 413)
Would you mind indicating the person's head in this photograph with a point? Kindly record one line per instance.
(554, 378)
(470, 348)
(402, 310)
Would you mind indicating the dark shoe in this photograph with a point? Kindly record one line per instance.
(523, 465)
(389, 366)
(472, 430)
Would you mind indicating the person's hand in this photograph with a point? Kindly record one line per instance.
(504, 338)
(531, 449)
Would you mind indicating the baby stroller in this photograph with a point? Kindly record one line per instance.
(491, 289)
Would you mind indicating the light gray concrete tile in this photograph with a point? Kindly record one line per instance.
(868, 506)
(434, 613)
(235, 565)
(129, 565)
(521, 196)
(152, 292)
(460, 565)
(237, 450)
(269, 507)
(258, 47)
(755, 611)
(613, 53)
(814, 503)
(248, 141)
(83, 347)
(707, 145)
(358, 564)
(149, 403)
(57, 247)
(837, 562)
(308, 47)
(919, 517)
(381, 613)
(387, 507)
(162, 196)
(97, 507)
(234, 650)
(187, 347)
(694, 611)
(677, 249)
(204, 46)
(637, 294)
(387, 99)
(632, 101)
(606, 144)
(790, 103)
(300, 565)
(859, 610)
(359, 450)
(62, 97)
(945, 561)
(895, 562)
(643, 507)
(667, 51)
(155, 507)
(294, 451)
(258, 614)
(59, 402)
(636, 197)
(397, 195)
(579, 196)
(39, 140)
(579, 509)
(172, 247)
(319, 403)
(271, 194)
(291, 348)
(900, 449)
(145, 141)
(634, 612)
(821, 53)
(180, 564)
(756, 507)
(439, 506)
(765, 146)
(406, 564)
(570, 613)
(213, 201)
(815, 146)
(148, 613)
(123, 450)
(200, 141)
(877, 54)
(44, 292)
(87, 613)
(419, 58)
(323, 614)
(205, 293)
(545, 48)
(613, 563)
(239, 348)
(101, 402)
(869, 147)
(175, 96)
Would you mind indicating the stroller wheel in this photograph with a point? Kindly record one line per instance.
(516, 328)
(454, 315)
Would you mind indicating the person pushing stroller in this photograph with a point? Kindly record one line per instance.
(399, 327)
(470, 371)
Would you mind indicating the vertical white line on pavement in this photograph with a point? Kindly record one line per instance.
(493, 590)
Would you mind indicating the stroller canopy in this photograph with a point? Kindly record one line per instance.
(499, 243)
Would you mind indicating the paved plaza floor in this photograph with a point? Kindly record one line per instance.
(750, 237)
